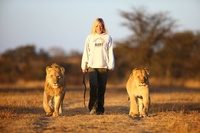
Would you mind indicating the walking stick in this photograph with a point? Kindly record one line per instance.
(84, 89)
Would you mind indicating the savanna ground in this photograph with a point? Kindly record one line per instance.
(172, 110)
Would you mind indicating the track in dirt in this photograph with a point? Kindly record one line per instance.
(172, 110)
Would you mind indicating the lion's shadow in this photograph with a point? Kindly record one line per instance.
(21, 110)
(154, 109)
(176, 107)
(109, 110)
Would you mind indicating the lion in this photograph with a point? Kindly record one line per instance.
(137, 88)
(54, 91)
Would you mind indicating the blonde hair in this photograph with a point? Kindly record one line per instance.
(95, 23)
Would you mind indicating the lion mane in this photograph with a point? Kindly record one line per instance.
(138, 90)
(54, 90)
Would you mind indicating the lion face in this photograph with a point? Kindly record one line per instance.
(141, 76)
(55, 76)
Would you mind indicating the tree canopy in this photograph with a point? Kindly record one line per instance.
(154, 44)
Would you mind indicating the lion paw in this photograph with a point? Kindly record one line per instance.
(55, 114)
(143, 115)
(49, 114)
(134, 115)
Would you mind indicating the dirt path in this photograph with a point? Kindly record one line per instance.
(174, 111)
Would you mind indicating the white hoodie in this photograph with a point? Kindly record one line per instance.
(98, 52)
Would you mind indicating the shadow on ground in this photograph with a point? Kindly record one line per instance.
(21, 110)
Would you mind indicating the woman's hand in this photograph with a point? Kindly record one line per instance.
(85, 71)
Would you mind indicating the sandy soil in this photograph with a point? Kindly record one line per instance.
(172, 110)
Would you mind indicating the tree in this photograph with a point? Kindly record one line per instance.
(22, 63)
(147, 34)
(20, 54)
(179, 55)
(148, 31)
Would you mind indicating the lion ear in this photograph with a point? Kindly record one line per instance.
(134, 70)
(62, 70)
(47, 69)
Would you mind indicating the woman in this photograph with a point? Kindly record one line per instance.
(97, 60)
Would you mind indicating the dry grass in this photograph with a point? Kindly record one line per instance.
(175, 82)
(172, 110)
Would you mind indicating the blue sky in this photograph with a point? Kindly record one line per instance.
(66, 23)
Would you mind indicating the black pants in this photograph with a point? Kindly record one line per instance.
(97, 81)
